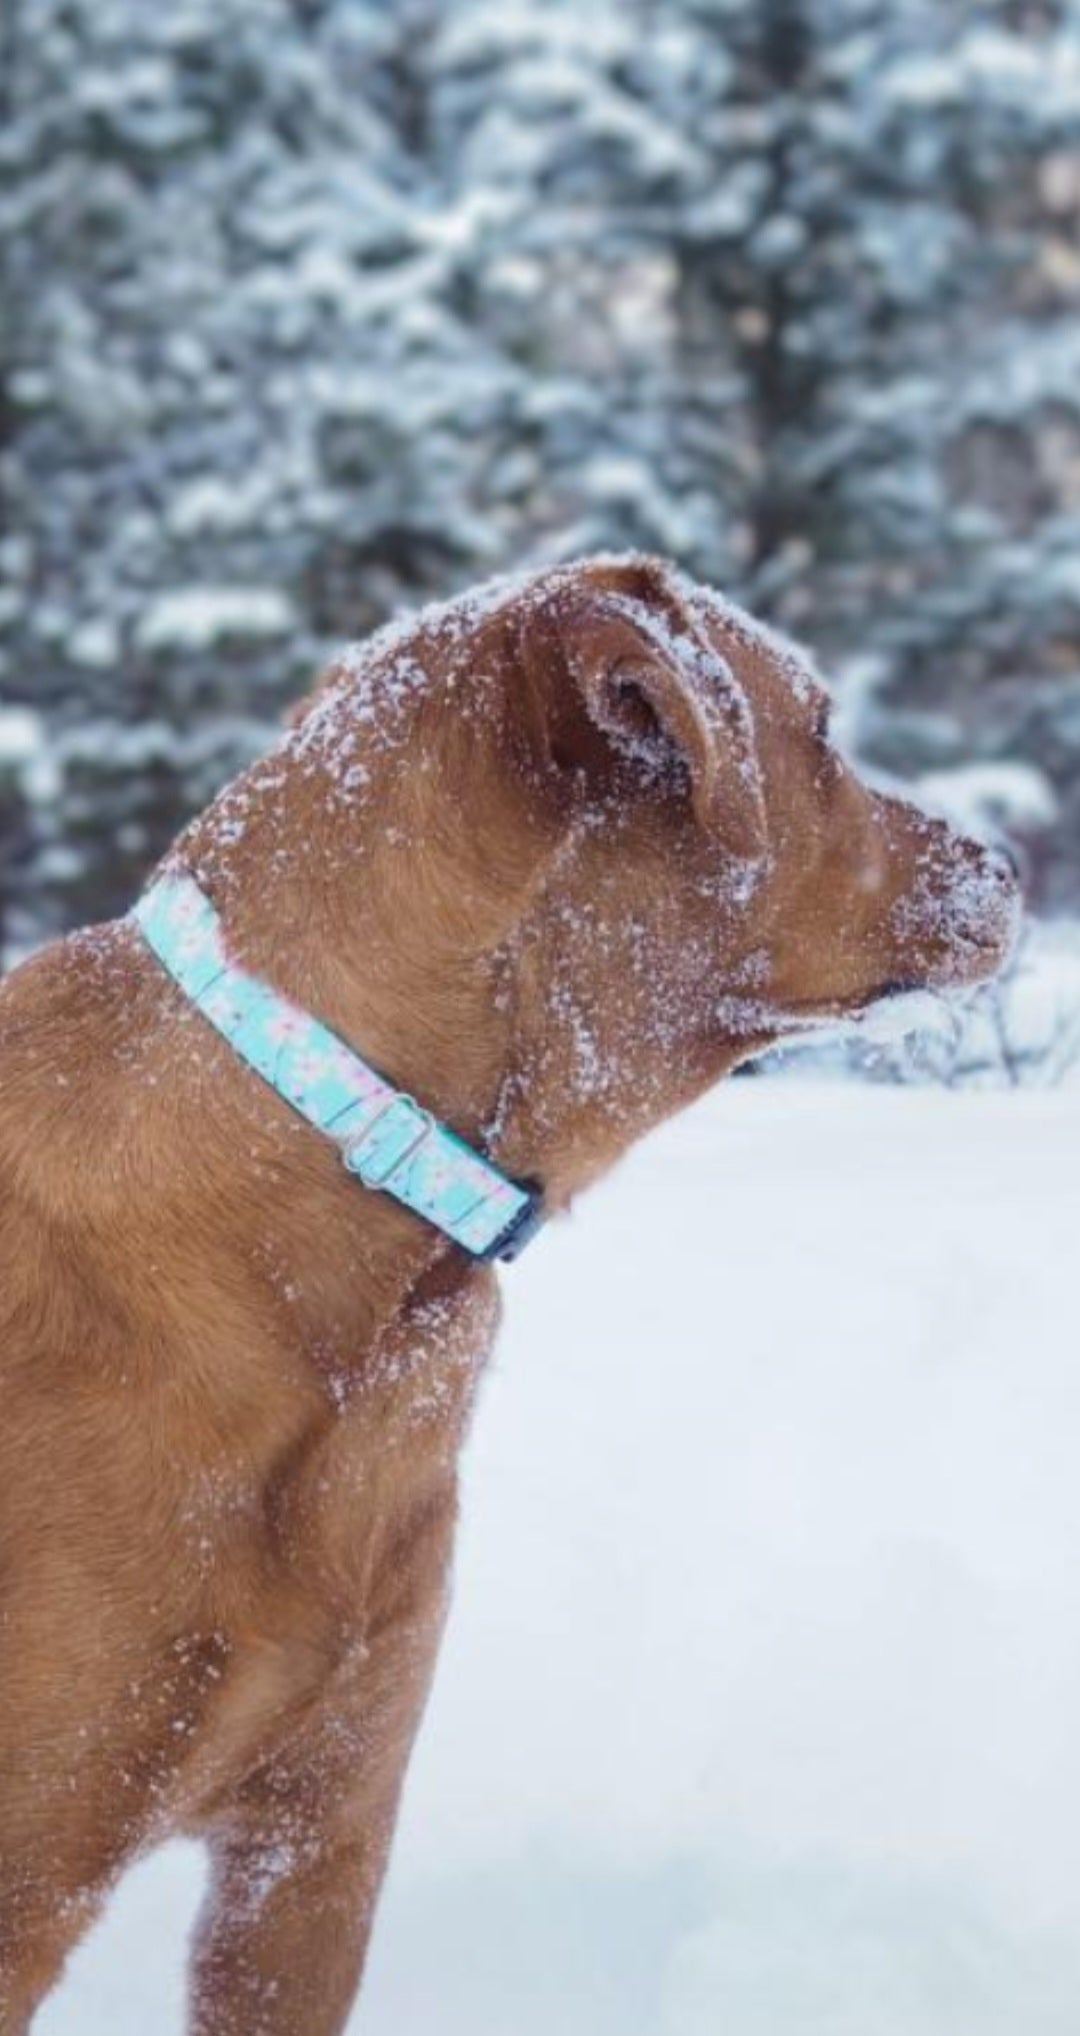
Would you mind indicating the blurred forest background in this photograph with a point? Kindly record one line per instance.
(312, 309)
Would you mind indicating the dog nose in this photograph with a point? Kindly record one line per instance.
(1012, 858)
(1006, 862)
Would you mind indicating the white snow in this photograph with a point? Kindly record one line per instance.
(21, 734)
(24, 747)
(757, 1710)
(197, 618)
(997, 795)
(1007, 68)
(216, 507)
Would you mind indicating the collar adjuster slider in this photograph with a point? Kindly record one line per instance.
(372, 1173)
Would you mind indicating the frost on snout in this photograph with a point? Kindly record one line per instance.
(899, 902)
(960, 915)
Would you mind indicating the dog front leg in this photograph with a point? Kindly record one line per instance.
(299, 1855)
(50, 1894)
(281, 1950)
(298, 1863)
(35, 1941)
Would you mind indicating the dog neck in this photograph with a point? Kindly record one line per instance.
(359, 904)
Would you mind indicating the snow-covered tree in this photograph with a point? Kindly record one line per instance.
(313, 307)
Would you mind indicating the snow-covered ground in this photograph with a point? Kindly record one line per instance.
(759, 1713)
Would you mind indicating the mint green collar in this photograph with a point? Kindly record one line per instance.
(385, 1138)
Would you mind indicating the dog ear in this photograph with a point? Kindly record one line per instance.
(617, 674)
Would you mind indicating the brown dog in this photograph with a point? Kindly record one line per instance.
(554, 859)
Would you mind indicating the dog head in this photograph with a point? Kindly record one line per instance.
(606, 848)
(723, 875)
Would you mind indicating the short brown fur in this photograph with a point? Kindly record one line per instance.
(554, 861)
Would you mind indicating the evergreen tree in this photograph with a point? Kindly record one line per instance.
(316, 307)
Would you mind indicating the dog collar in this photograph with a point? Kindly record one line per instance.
(385, 1137)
